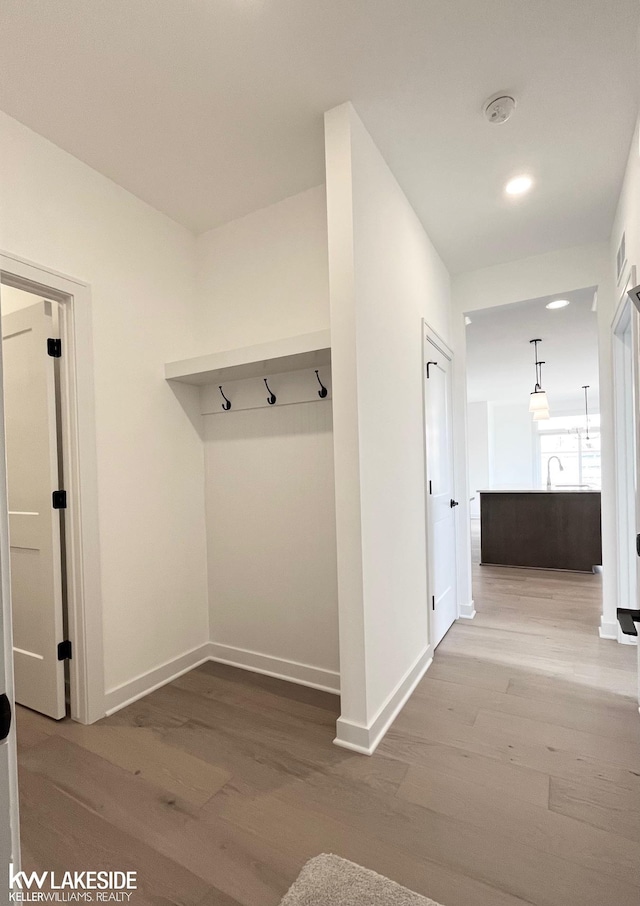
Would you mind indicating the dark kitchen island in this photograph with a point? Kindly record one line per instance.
(541, 529)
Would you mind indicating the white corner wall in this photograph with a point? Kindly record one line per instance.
(59, 214)
(241, 569)
(532, 278)
(269, 470)
(385, 277)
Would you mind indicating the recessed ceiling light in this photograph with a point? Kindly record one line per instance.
(518, 185)
(558, 303)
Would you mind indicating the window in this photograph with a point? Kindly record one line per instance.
(565, 437)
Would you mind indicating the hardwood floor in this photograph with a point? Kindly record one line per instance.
(512, 776)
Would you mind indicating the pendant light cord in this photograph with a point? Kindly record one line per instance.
(538, 366)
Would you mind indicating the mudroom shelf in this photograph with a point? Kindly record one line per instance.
(288, 354)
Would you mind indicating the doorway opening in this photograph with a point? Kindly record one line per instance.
(52, 480)
(534, 471)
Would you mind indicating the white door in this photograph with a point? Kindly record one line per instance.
(441, 503)
(9, 817)
(34, 524)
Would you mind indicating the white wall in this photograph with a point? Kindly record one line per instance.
(627, 219)
(500, 449)
(540, 275)
(264, 276)
(511, 447)
(532, 278)
(385, 276)
(479, 430)
(60, 214)
(271, 538)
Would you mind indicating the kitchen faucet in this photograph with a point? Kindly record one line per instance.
(549, 470)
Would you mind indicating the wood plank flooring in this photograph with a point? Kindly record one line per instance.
(511, 777)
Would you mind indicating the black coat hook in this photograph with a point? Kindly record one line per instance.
(322, 392)
(272, 397)
(227, 403)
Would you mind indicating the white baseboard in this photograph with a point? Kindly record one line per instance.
(129, 692)
(467, 611)
(608, 630)
(626, 639)
(614, 632)
(120, 696)
(365, 739)
(294, 672)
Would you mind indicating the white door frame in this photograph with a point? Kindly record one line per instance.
(625, 389)
(84, 595)
(7, 645)
(429, 334)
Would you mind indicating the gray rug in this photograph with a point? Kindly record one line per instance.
(331, 881)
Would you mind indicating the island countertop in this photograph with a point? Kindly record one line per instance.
(536, 528)
(540, 491)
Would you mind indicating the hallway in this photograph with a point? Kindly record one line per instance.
(512, 776)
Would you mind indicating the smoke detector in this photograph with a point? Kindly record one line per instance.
(499, 107)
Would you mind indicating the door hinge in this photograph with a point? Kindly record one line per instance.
(59, 500)
(430, 490)
(5, 716)
(638, 545)
(64, 650)
(433, 602)
(54, 348)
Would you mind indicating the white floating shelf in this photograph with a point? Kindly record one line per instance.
(311, 350)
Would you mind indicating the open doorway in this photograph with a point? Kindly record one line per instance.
(534, 439)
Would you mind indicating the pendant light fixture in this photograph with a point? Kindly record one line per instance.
(538, 402)
(542, 414)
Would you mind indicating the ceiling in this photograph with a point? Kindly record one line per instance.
(209, 109)
(500, 359)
